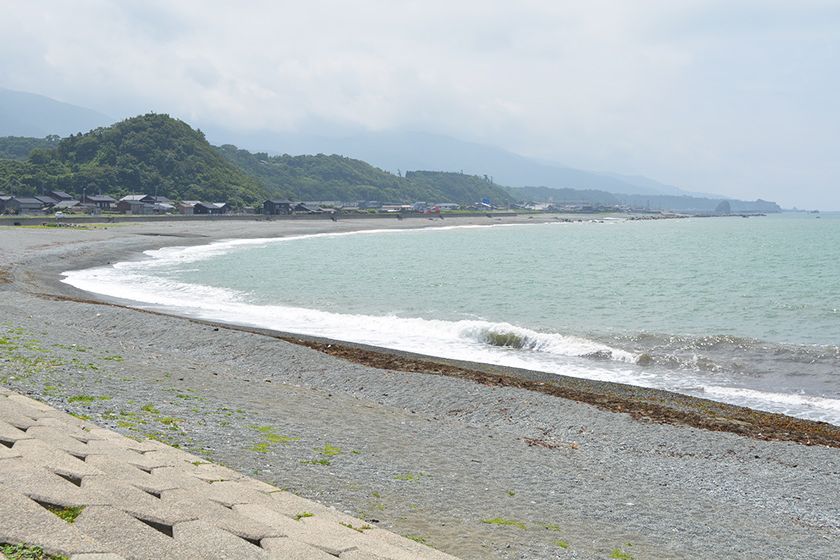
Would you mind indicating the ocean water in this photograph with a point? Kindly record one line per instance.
(745, 311)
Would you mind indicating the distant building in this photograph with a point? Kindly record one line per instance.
(60, 195)
(213, 208)
(146, 198)
(47, 201)
(307, 208)
(187, 207)
(448, 206)
(23, 205)
(71, 206)
(101, 201)
(277, 206)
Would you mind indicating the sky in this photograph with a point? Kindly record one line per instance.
(737, 97)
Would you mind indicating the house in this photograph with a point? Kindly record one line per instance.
(60, 195)
(101, 201)
(69, 206)
(163, 208)
(3, 200)
(214, 208)
(187, 207)
(448, 206)
(23, 205)
(135, 207)
(275, 207)
(307, 208)
(47, 201)
(146, 198)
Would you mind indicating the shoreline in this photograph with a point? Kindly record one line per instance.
(661, 405)
(346, 395)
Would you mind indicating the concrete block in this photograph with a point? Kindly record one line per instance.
(332, 538)
(32, 403)
(128, 536)
(58, 438)
(219, 516)
(135, 501)
(44, 486)
(284, 548)
(40, 453)
(232, 492)
(213, 543)
(24, 521)
(9, 434)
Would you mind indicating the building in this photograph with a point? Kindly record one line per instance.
(276, 207)
(47, 201)
(23, 205)
(307, 208)
(187, 207)
(69, 206)
(214, 208)
(101, 201)
(60, 195)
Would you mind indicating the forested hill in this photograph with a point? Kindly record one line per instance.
(19, 147)
(333, 177)
(145, 154)
(156, 153)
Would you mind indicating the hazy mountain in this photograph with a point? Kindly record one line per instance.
(29, 114)
(404, 150)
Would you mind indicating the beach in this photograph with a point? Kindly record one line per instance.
(476, 461)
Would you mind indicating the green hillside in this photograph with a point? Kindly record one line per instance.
(156, 153)
(19, 147)
(145, 154)
(333, 177)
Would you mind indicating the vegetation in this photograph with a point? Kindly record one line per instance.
(333, 177)
(155, 153)
(145, 154)
(303, 514)
(68, 514)
(618, 554)
(505, 522)
(26, 552)
(360, 529)
(19, 147)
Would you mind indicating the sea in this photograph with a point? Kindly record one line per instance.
(744, 311)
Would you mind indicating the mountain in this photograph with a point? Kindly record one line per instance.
(145, 154)
(339, 178)
(673, 203)
(158, 154)
(400, 150)
(29, 114)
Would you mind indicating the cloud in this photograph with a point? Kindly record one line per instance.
(714, 96)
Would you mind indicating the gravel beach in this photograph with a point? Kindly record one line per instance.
(478, 466)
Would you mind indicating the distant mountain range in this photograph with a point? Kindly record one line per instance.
(400, 150)
(156, 152)
(27, 114)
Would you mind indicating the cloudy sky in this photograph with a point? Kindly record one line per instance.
(739, 97)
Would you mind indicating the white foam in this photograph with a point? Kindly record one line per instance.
(795, 404)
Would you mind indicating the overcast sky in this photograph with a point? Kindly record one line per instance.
(735, 97)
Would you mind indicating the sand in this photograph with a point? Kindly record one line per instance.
(476, 461)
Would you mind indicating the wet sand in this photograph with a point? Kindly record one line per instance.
(478, 461)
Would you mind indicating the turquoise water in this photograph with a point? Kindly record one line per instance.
(741, 310)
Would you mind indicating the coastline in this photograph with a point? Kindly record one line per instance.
(520, 410)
